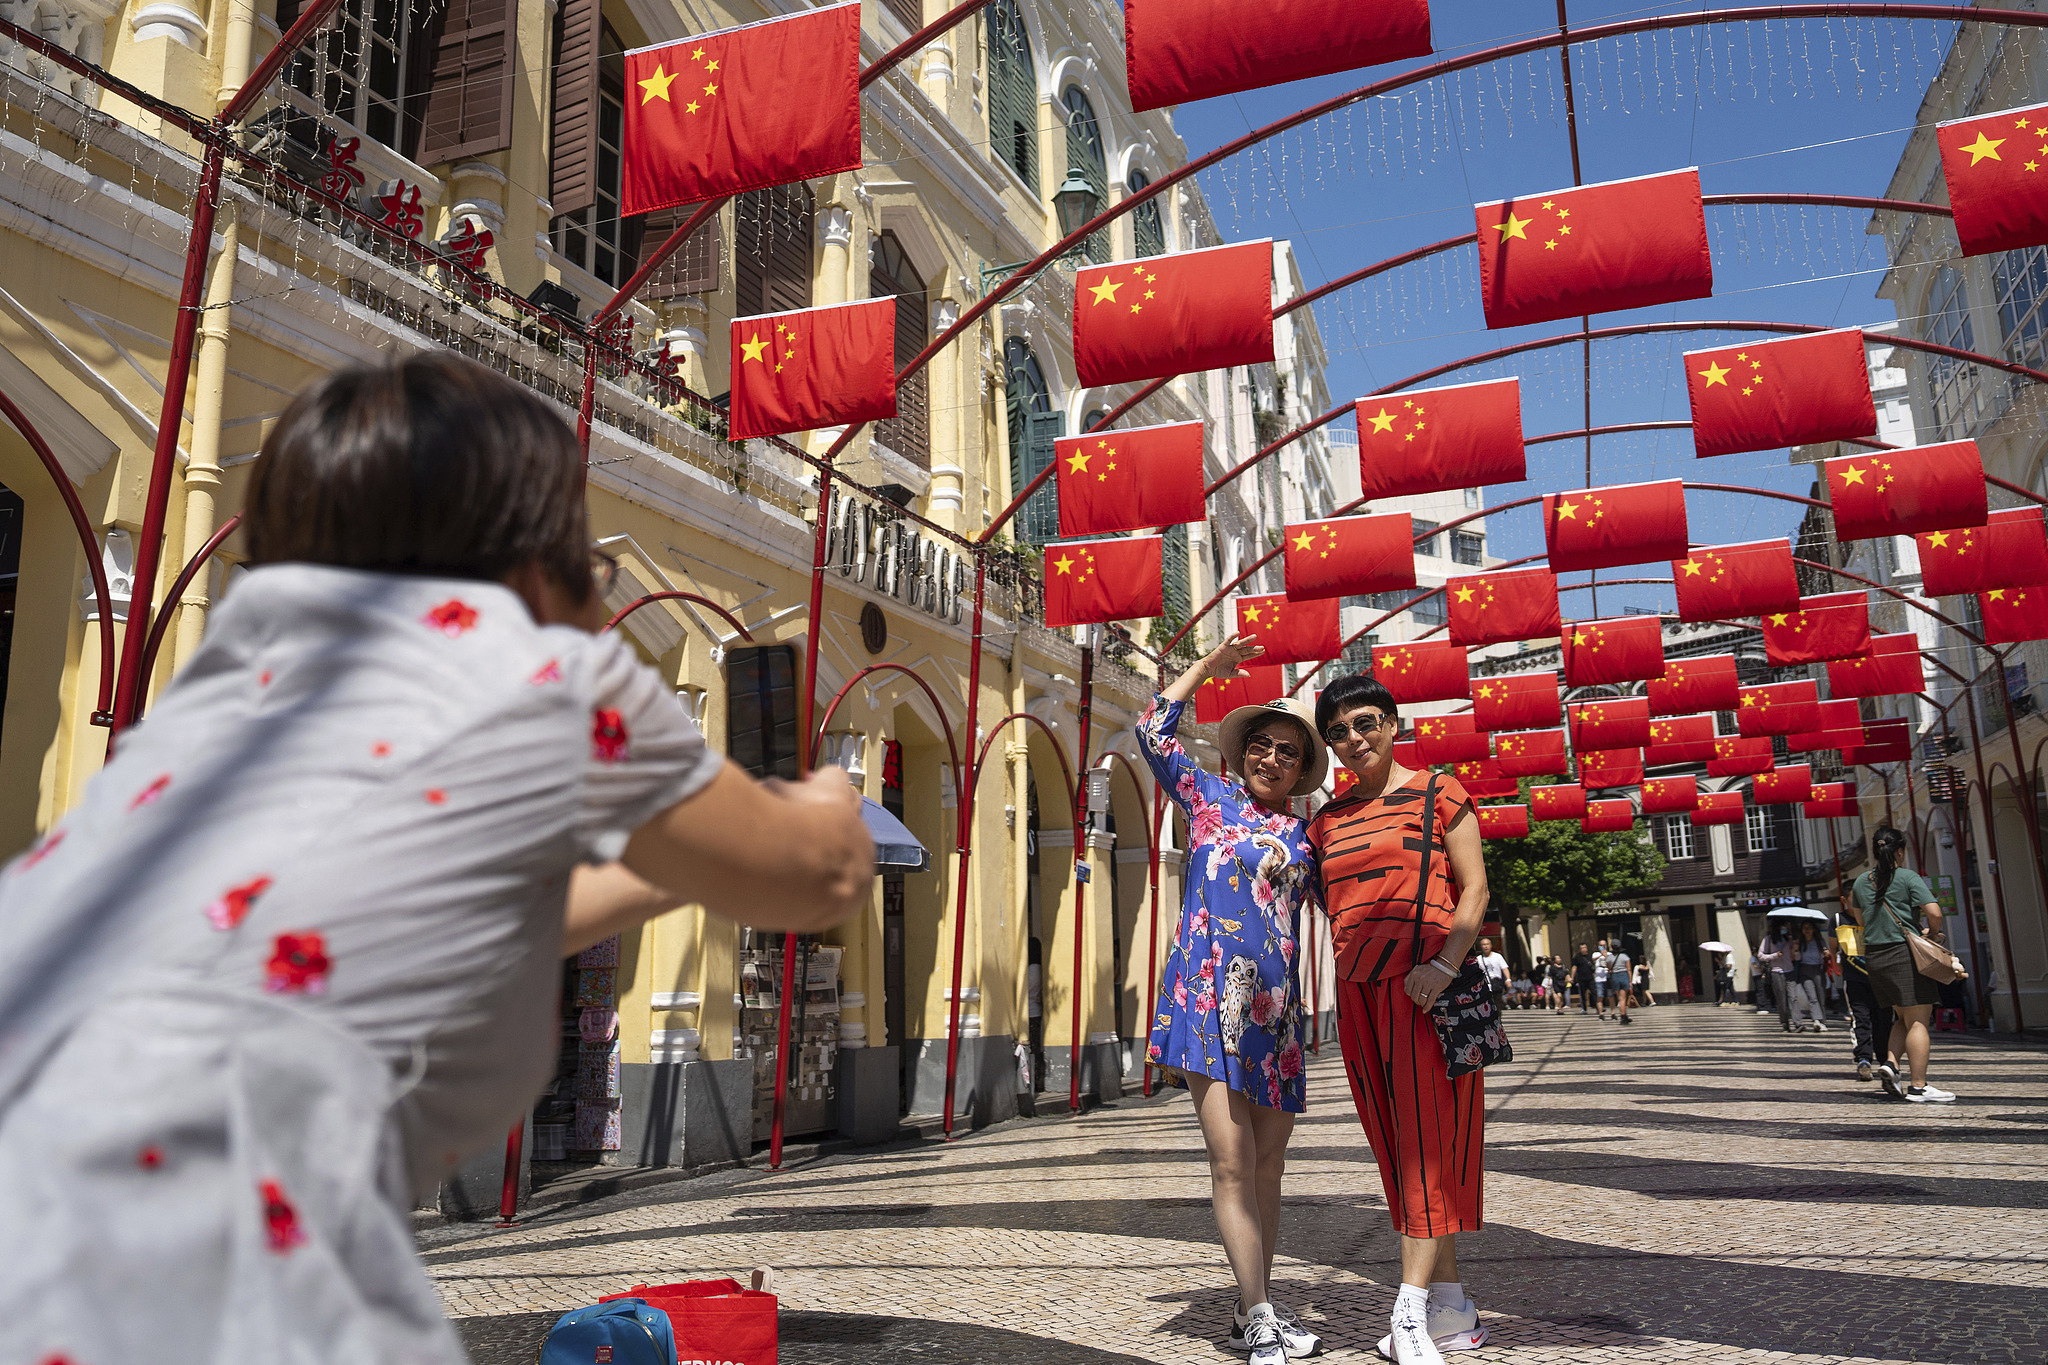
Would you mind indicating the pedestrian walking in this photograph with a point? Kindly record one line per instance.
(297, 951)
(1228, 1023)
(1869, 1022)
(1404, 882)
(1809, 966)
(1620, 979)
(1603, 966)
(1496, 968)
(1559, 975)
(1775, 952)
(1642, 985)
(1582, 976)
(1884, 901)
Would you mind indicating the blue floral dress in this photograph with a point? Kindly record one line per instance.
(1229, 1007)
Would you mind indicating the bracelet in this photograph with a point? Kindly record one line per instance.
(1446, 968)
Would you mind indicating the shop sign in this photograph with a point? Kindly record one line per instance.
(1614, 908)
(897, 561)
(1779, 895)
(1945, 891)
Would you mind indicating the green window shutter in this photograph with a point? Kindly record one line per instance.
(1179, 595)
(1013, 92)
(1039, 520)
(1084, 153)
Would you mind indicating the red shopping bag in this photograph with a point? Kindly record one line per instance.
(716, 1322)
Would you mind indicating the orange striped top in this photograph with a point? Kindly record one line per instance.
(1369, 858)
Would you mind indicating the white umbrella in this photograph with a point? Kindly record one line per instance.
(1717, 947)
(1797, 912)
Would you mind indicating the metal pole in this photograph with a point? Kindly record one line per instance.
(969, 780)
(508, 1192)
(1912, 818)
(1081, 869)
(1991, 852)
(2030, 817)
(586, 406)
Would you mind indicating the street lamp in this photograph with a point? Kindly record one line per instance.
(1076, 203)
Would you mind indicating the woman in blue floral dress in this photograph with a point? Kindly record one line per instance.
(1228, 1022)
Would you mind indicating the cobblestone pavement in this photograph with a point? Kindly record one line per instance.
(1696, 1186)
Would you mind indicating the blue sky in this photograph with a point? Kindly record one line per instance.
(1757, 112)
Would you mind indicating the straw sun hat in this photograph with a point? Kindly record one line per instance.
(1238, 725)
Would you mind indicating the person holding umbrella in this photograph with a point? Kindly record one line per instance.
(1724, 972)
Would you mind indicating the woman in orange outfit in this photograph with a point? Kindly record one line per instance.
(1426, 1130)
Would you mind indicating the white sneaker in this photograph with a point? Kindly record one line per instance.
(1888, 1076)
(1262, 1337)
(1298, 1340)
(1451, 1329)
(1409, 1343)
(1927, 1094)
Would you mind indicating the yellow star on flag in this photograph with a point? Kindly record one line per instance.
(1382, 421)
(1303, 541)
(1513, 227)
(1692, 568)
(1567, 511)
(1851, 474)
(1984, 149)
(1106, 291)
(1714, 374)
(1064, 564)
(656, 86)
(1939, 540)
(753, 349)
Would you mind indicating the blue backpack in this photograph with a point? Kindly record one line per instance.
(621, 1332)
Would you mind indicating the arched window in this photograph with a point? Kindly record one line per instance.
(1148, 229)
(1951, 383)
(1085, 154)
(1012, 92)
(2021, 279)
(908, 433)
(1034, 427)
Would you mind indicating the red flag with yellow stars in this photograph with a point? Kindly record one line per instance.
(1618, 649)
(1504, 822)
(1429, 440)
(1740, 755)
(1450, 739)
(1719, 808)
(1493, 608)
(1620, 724)
(1832, 801)
(1720, 582)
(1679, 739)
(1407, 754)
(1181, 50)
(1787, 786)
(816, 367)
(1218, 697)
(1602, 528)
(1671, 795)
(1996, 166)
(1531, 753)
(1090, 581)
(1838, 724)
(1487, 788)
(2014, 615)
(1608, 817)
(1342, 780)
(1890, 669)
(1559, 801)
(1600, 769)
(1833, 626)
(1130, 480)
(1785, 708)
(1432, 671)
(1593, 249)
(1348, 555)
(1702, 684)
(1763, 395)
(1884, 741)
(1167, 315)
(1902, 492)
(1516, 701)
(2010, 550)
(719, 113)
(1292, 632)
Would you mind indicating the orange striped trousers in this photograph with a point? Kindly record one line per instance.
(1427, 1132)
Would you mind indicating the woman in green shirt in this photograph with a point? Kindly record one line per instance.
(1883, 901)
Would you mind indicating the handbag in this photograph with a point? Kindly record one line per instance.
(1467, 1015)
(1934, 961)
(717, 1322)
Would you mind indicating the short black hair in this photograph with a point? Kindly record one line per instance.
(1348, 694)
(429, 465)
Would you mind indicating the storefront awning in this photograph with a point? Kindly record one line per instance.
(896, 848)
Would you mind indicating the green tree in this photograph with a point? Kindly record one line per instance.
(1559, 867)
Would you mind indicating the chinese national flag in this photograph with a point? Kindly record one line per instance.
(1516, 701)
(1408, 755)
(1680, 739)
(1493, 608)
(816, 367)
(1992, 164)
(1503, 822)
(1103, 580)
(1839, 726)
(1434, 671)
(1601, 528)
(1181, 50)
(1890, 669)
(1608, 817)
(1903, 492)
(1720, 582)
(1763, 395)
(1531, 753)
(2010, 550)
(1450, 739)
(1168, 315)
(1671, 795)
(1885, 741)
(1738, 756)
(1292, 632)
(2014, 615)
(1834, 626)
(1430, 440)
(1130, 480)
(1603, 768)
(1785, 786)
(1832, 801)
(1483, 780)
(1562, 801)
(1349, 555)
(1622, 724)
(1689, 685)
(1619, 649)
(1623, 244)
(1719, 808)
(1786, 708)
(1342, 780)
(719, 113)
(1218, 697)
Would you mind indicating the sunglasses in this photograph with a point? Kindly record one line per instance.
(1258, 746)
(1365, 729)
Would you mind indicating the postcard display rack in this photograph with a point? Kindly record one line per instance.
(812, 1104)
(577, 1116)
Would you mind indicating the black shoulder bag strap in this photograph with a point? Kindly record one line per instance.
(1422, 889)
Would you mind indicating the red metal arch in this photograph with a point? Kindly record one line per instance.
(623, 612)
(178, 584)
